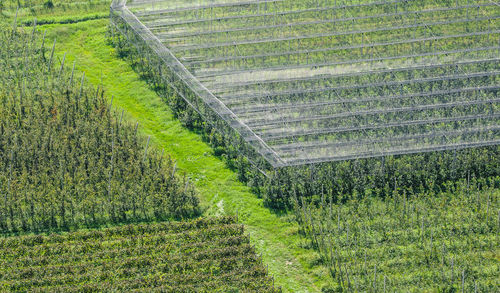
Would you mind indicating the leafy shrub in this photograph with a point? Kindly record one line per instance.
(48, 4)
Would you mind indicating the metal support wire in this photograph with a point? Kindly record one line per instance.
(339, 48)
(230, 71)
(190, 8)
(376, 18)
(225, 86)
(384, 153)
(330, 130)
(270, 122)
(337, 144)
(181, 48)
(247, 96)
(263, 109)
(276, 13)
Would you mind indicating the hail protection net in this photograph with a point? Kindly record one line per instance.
(323, 80)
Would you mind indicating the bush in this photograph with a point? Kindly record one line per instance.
(48, 4)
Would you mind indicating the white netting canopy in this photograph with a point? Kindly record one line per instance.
(323, 80)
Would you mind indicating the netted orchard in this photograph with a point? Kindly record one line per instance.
(328, 97)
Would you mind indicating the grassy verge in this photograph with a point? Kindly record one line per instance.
(290, 260)
(62, 12)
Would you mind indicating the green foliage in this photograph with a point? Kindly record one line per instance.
(36, 4)
(412, 173)
(52, 12)
(206, 255)
(420, 178)
(382, 177)
(444, 242)
(48, 4)
(274, 235)
(66, 159)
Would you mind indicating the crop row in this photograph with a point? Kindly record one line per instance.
(217, 14)
(210, 39)
(204, 255)
(295, 33)
(358, 51)
(288, 19)
(408, 243)
(66, 158)
(331, 81)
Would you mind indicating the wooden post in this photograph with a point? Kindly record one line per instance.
(146, 149)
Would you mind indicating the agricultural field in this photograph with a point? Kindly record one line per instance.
(206, 255)
(312, 92)
(67, 159)
(261, 145)
(396, 94)
(316, 81)
(425, 243)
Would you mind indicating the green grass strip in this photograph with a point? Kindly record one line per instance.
(290, 260)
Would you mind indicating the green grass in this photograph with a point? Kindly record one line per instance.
(290, 260)
(62, 12)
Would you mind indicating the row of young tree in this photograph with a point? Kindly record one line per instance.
(204, 255)
(383, 177)
(429, 242)
(67, 159)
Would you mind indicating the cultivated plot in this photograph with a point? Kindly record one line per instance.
(324, 80)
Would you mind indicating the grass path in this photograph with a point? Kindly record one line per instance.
(291, 264)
